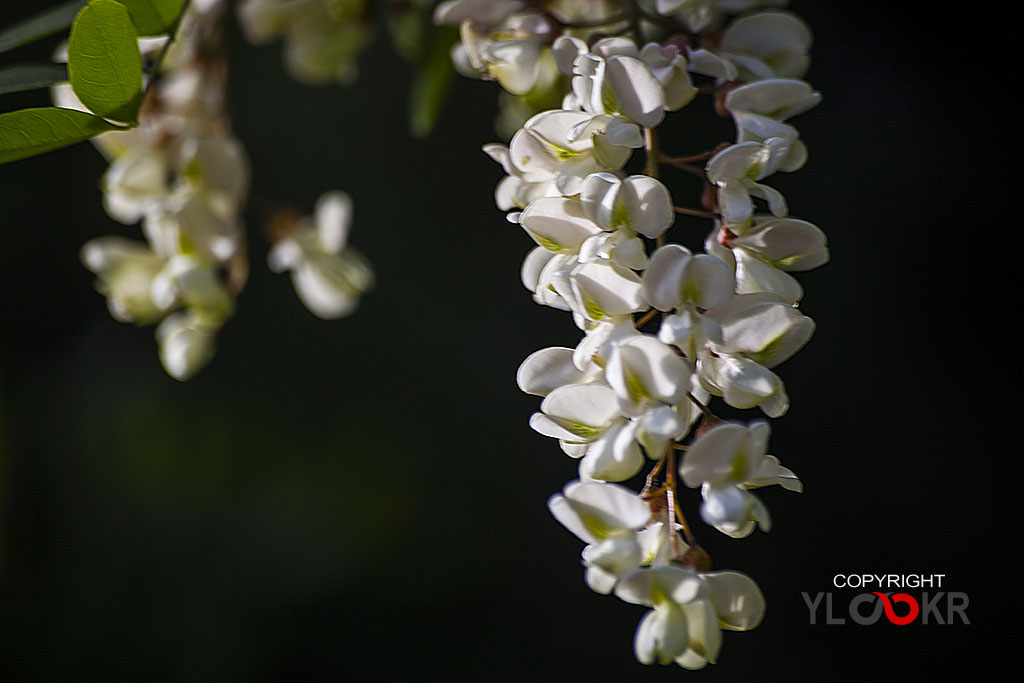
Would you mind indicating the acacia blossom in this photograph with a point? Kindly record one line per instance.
(665, 329)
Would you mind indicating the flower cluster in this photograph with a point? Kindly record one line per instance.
(185, 177)
(322, 38)
(666, 328)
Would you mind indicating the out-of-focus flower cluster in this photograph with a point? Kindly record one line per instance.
(322, 38)
(727, 317)
(185, 178)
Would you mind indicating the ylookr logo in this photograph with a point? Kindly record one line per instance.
(930, 607)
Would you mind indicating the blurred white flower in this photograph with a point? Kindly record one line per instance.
(328, 275)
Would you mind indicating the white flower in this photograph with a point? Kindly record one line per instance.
(688, 611)
(499, 43)
(735, 171)
(558, 224)
(701, 14)
(126, 271)
(136, 183)
(759, 110)
(186, 343)
(664, 633)
(638, 203)
(564, 147)
(727, 460)
(610, 78)
(515, 191)
(603, 290)
(606, 517)
(548, 369)
(186, 223)
(322, 37)
(643, 371)
(768, 45)
(769, 249)
(670, 67)
(759, 331)
(191, 282)
(329, 277)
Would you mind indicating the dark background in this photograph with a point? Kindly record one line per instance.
(363, 499)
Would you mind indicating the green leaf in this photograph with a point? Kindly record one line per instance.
(28, 132)
(431, 83)
(153, 17)
(31, 76)
(104, 65)
(47, 23)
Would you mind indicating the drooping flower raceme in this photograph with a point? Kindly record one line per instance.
(323, 38)
(665, 328)
(185, 179)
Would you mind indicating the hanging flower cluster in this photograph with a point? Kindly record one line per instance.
(322, 38)
(185, 177)
(666, 329)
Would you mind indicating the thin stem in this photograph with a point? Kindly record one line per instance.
(686, 158)
(171, 36)
(670, 499)
(674, 513)
(646, 318)
(695, 170)
(694, 212)
(703, 408)
(649, 482)
(651, 163)
(633, 12)
(690, 538)
(651, 149)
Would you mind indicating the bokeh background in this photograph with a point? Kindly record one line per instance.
(363, 499)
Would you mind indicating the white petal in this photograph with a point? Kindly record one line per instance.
(606, 290)
(708, 63)
(637, 93)
(647, 205)
(705, 636)
(594, 511)
(772, 472)
(547, 369)
(585, 410)
(324, 289)
(184, 345)
(642, 369)
(712, 457)
(738, 601)
(557, 223)
(565, 50)
(786, 243)
(615, 456)
(333, 214)
(754, 275)
(659, 585)
(767, 333)
(661, 636)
